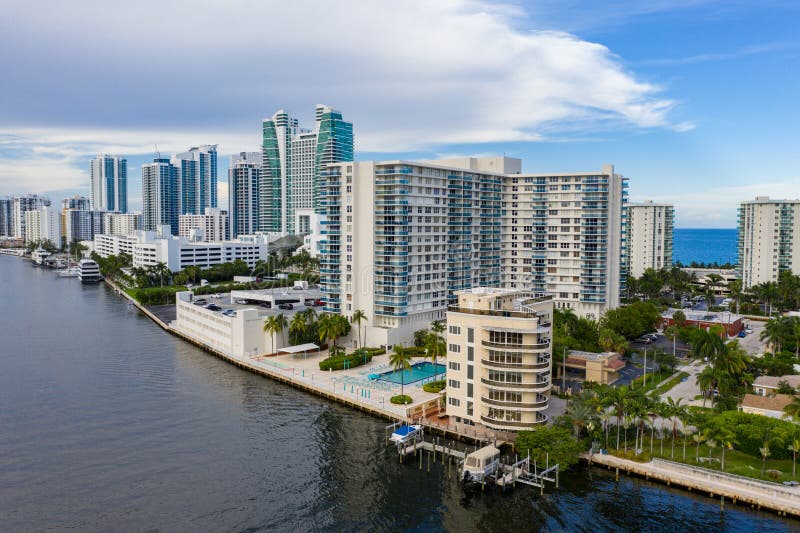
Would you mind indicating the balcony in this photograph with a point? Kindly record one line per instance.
(543, 363)
(539, 385)
(541, 402)
(514, 425)
(514, 346)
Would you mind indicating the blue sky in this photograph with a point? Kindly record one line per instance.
(695, 101)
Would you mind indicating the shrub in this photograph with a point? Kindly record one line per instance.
(351, 360)
(435, 386)
(401, 399)
(155, 295)
(751, 431)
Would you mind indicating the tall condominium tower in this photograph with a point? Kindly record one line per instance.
(21, 204)
(244, 188)
(43, 224)
(160, 195)
(649, 236)
(109, 183)
(197, 171)
(292, 161)
(122, 223)
(769, 239)
(564, 234)
(81, 224)
(400, 237)
(6, 222)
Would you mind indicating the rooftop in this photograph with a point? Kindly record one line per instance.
(774, 381)
(722, 317)
(767, 403)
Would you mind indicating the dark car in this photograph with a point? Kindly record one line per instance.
(285, 306)
(644, 340)
(213, 307)
(265, 304)
(201, 301)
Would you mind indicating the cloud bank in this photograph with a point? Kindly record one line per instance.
(94, 76)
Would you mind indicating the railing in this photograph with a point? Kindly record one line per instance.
(520, 366)
(537, 404)
(509, 346)
(543, 384)
(540, 419)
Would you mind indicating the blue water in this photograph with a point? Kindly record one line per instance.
(416, 373)
(705, 245)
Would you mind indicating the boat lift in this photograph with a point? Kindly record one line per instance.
(413, 444)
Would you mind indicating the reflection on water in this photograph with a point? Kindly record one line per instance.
(109, 423)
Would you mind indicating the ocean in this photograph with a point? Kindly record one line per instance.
(705, 245)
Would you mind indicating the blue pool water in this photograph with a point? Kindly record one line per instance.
(417, 372)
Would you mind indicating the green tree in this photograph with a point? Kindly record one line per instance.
(794, 447)
(792, 410)
(281, 325)
(617, 398)
(400, 359)
(359, 316)
(765, 452)
(553, 443)
(271, 328)
(581, 414)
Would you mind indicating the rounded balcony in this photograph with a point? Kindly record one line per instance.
(537, 364)
(539, 385)
(543, 345)
(541, 402)
(513, 425)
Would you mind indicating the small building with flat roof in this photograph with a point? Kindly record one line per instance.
(769, 385)
(730, 322)
(600, 367)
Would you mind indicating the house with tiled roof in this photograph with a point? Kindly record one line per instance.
(771, 406)
(769, 385)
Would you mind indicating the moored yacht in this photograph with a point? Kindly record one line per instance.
(89, 271)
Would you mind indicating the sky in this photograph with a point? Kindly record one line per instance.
(694, 101)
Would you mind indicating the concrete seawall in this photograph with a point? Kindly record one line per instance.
(736, 489)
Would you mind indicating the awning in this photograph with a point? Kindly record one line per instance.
(300, 348)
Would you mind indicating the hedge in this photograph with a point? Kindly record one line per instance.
(435, 386)
(155, 295)
(352, 359)
(750, 431)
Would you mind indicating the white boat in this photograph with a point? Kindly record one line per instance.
(89, 271)
(480, 464)
(72, 272)
(405, 433)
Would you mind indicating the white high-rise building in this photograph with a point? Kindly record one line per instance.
(244, 182)
(563, 234)
(401, 237)
(197, 177)
(292, 161)
(43, 224)
(650, 241)
(20, 205)
(109, 183)
(769, 239)
(212, 226)
(122, 223)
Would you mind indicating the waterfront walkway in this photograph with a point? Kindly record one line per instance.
(738, 489)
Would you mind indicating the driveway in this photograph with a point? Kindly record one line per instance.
(751, 343)
(687, 389)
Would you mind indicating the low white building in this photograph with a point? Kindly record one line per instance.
(149, 248)
(240, 335)
(311, 223)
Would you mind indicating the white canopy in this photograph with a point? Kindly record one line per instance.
(300, 348)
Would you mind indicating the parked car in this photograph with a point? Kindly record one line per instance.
(229, 312)
(285, 306)
(644, 340)
(201, 301)
(319, 303)
(653, 336)
(742, 334)
(213, 307)
(265, 304)
(241, 302)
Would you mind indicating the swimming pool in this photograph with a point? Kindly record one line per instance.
(417, 372)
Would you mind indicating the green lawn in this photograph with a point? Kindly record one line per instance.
(665, 386)
(736, 462)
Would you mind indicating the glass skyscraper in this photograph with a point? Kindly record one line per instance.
(292, 159)
(109, 183)
(160, 195)
(197, 170)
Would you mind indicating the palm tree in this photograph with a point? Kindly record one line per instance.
(674, 410)
(617, 398)
(298, 327)
(160, 269)
(794, 447)
(582, 414)
(400, 359)
(725, 437)
(698, 438)
(735, 287)
(327, 330)
(708, 345)
(271, 328)
(605, 418)
(435, 346)
(792, 410)
(281, 324)
(794, 323)
(706, 381)
(773, 333)
(764, 451)
(358, 317)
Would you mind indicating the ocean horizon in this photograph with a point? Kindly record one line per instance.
(705, 245)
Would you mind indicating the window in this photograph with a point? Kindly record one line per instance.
(453, 383)
(455, 348)
(454, 330)
(470, 335)
(452, 365)
(470, 390)
(470, 353)
(455, 402)
(470, 372)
